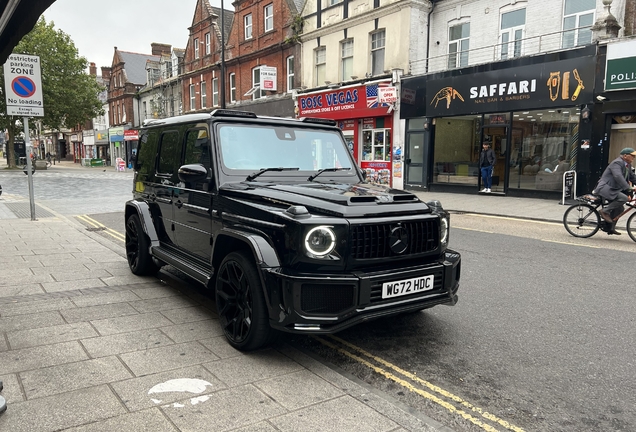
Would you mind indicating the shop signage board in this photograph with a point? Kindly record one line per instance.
(387, 94)
(23, 85)
(343, 103)
(116, 134)
(550, 84)
(131, 135)
(620, 66)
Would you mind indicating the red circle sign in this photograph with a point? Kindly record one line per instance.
(23, 86)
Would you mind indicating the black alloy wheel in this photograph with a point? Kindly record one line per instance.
(582, 220)
(240, 303)
(138, 249)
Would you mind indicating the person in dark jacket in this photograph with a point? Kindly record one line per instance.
(486, 164)
(617, 180)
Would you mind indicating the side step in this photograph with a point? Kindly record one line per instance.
(193, 269)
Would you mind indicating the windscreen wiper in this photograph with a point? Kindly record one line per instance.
(311, 178)
(264, 170)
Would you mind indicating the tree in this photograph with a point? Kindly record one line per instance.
(70, 95)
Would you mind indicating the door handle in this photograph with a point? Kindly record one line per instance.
(408, 161)
(179, 203)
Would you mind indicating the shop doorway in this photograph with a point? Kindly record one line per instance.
(415, 160)
(623, 135)
(497, 136)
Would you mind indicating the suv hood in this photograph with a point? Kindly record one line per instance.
(346, 200)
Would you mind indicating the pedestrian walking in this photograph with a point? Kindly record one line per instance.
(486, 164)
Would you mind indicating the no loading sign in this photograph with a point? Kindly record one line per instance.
(23, 86)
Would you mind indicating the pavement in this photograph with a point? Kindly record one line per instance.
(87, 346)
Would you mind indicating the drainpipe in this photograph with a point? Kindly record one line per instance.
(428, 32)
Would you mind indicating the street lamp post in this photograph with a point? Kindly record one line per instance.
(222, 56)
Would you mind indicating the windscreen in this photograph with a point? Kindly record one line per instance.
(254, 147)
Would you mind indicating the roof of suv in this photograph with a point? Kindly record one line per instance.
(234, 114)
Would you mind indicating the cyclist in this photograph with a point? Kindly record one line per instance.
(617, 180)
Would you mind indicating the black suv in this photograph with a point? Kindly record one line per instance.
(275, 216)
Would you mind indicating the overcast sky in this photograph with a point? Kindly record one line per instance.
(97, 27)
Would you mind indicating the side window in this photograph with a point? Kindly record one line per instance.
(147, 154)
(169, 150)
(197, 148)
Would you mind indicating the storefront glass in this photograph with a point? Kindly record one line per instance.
(457, 147)
(543, 147)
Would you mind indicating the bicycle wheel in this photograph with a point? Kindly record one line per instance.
(631, 226)
(581, 220)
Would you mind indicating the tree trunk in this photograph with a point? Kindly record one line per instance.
(10, 147)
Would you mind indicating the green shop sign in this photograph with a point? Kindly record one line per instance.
(620, 68)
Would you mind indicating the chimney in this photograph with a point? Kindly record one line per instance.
(105, 73)
(159, 48)
(92, 69)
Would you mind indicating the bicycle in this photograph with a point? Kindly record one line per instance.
(583, 220)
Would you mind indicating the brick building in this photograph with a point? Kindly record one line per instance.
(261, 57)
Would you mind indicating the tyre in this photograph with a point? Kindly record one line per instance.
(240, 303)
(581, 220)
(138, 249)
(631, 226)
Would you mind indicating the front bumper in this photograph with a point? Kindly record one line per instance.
(328, 303)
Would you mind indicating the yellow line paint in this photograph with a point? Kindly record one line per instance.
(116, 234)
(431, 386)
(410, 386)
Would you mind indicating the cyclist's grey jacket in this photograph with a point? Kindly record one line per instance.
(614, 179)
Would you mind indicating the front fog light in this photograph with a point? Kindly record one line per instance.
(320, 241)
(444, 228)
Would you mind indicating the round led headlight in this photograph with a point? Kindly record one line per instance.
(444, 228)
(320, 240)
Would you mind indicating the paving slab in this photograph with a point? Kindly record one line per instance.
(140, 340)
(40, 357)
(98, 312)
(167, 358)
(134, 393)
(149, 420)
(25, 322)
(50, 335)
(220, 347)
(36, 306)
(20, 289)
(193, 331)
(130, 323)
(162, 304)
(73, 376)
(53, 414)
(106, 298)
(312, 391)
(224, 410)
(252, 367)
(72, 285)
(341, 414)
(12, 391)
(189, 314)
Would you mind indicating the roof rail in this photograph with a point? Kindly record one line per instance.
(232, 113)
(318, 120)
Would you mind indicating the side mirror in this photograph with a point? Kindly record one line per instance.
(192, 173)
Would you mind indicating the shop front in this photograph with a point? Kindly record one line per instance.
(131, 139)
(534, 112)
(366, 124)
(116, 139)
(78, 148)
(102, 146)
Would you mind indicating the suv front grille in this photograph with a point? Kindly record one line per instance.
(326, 299)
(372, 241)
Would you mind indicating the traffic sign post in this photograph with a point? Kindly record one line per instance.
(23, 90)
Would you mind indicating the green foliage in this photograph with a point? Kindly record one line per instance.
(69, 93)
(297, 25)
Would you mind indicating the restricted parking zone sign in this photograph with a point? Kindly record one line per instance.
(23, 86)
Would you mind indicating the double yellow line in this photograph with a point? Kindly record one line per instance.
(111, 232)
(437, 395)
